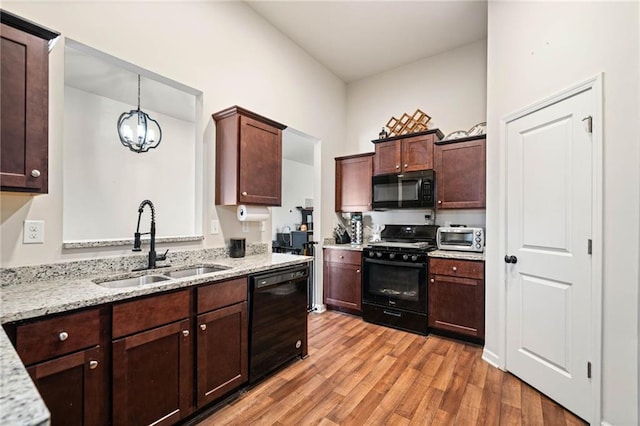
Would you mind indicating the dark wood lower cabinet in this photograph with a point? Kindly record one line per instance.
(222, 354)
(72, 387)
(456, 297)
(153, 375)
(343, 280)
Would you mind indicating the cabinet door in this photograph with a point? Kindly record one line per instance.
(417, 153)
(456, 305)
(24, 119)
(343, 286)
(72, 387)
(353, 184)
(222, 355)
(460, 174)
(153, 376)
(387, 158)
(260, 163)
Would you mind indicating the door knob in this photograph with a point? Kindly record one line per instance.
(510, 259)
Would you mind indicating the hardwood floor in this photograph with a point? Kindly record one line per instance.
(363, 374)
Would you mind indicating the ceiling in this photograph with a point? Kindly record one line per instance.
(358, 39)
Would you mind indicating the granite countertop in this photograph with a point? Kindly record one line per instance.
(20, 403)
(462, 255)
(353, 247)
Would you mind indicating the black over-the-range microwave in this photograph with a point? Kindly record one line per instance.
(404, 191)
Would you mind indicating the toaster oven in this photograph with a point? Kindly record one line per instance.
(460, 238)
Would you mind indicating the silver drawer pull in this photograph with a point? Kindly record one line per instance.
(185, 333)
(455, 268)
(35, 173)
(63, 336)
(406, 165)
(244, 193)
(357, 271)
(432, 280)
(93, 364)
(203, 327)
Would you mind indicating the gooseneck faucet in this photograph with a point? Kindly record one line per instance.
(153, 257)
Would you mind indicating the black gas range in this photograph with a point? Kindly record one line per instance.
(394, 279)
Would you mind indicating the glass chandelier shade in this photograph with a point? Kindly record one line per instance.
(148, 133)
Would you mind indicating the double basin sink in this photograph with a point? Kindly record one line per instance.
(166, 276)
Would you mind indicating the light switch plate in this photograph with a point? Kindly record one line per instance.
(33, 232)
(215, 226)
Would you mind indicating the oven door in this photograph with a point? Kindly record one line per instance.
(400, 285)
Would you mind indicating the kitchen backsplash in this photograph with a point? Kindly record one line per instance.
(411, 217)
(112, 265)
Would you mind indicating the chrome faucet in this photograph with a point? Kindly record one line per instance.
(153, 257)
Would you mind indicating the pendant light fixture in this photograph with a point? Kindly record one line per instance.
(148, 133)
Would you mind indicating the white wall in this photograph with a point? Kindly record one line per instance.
(450, 87)
(297, 184)
(536, 49)
(104, 182)
(221, 48)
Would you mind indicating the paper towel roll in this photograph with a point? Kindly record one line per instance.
(252, 213)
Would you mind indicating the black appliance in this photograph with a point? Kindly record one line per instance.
(404, 191)
(277, 319)
(394, 279)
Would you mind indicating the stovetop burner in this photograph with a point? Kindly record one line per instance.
(407, 238)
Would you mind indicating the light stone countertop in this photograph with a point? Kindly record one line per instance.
(461, 255)
(353, 247)
(20, 403)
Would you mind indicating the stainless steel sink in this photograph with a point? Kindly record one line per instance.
(193, 271)
(133, 282)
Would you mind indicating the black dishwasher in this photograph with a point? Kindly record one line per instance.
(277, 319)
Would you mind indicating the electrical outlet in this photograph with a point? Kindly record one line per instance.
(245, 227)
(33, 232)
(215, 226)
(262, 226)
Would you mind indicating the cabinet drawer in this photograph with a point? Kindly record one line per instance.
(218, 295)
(343, 256)
(48, 338)
(457, 268)
(143, 314)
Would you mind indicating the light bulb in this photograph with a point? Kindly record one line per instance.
(151, 135)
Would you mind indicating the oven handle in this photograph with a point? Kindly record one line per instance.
(391, 263)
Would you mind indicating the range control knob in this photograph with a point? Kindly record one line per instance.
(414, 257)
(405, 257)
(370, 254)
(392, 256)
(478, 233)
(478, 239)
(478, 246)
(379, 254)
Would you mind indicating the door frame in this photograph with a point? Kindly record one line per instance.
(595, 84)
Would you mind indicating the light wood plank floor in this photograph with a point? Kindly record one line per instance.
(362, 374)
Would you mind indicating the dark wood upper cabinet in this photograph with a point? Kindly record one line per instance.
(24, 98)
(248, 158)
(460, 167)
(407, 153)
(353, 183)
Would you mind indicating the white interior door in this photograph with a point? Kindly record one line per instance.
(549, 226)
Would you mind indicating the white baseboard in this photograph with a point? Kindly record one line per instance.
(491, 358)
(319, 308)
(603, 423)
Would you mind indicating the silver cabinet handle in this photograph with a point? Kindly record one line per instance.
(63, 336)
(397, 166)
(93, 364)
(357, 271)
(439, 202)
(432, 280)
(341, 257)
(203, 327)
(406, 165)
(185, 333)
(455, 268)
(244, 193)
(35, 173)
